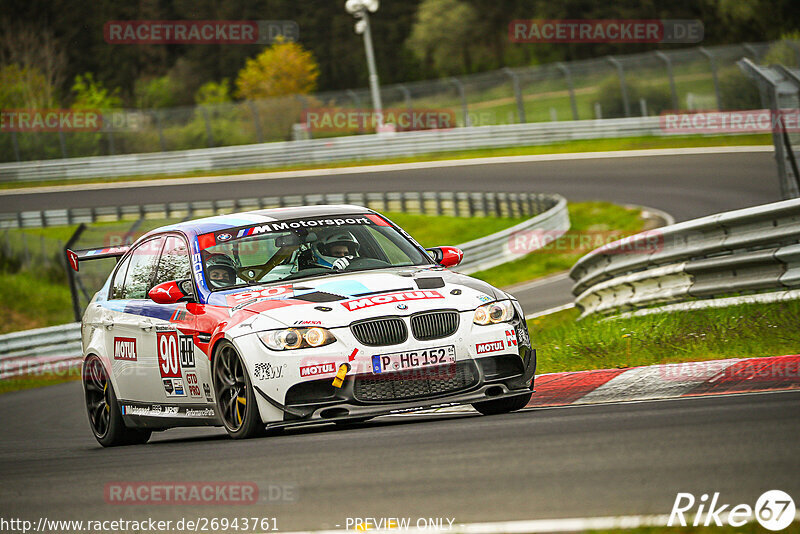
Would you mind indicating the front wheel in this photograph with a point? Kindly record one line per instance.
(236, 400)
(101, 405)
(504, 405)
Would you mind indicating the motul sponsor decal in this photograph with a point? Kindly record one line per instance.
(366, 302)
(318, 369)
(125, 348)
(490, 346)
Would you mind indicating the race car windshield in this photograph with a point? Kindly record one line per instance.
(306, 248)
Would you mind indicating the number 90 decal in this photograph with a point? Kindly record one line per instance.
(169, 362)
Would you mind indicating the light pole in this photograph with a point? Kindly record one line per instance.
(359, 9)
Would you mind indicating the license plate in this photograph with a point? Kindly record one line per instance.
(413, 359)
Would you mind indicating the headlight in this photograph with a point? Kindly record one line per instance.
(296, 338)
(494, 312)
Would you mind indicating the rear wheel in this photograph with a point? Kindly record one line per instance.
(236, 400)
(504, 405)
(101, 405)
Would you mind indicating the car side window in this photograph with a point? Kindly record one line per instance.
(174, 263)
(118, 285)
(141, 270)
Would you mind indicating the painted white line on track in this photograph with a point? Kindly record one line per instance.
(524, 286)
(165, 182)
(548, 311)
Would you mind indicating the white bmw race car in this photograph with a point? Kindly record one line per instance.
(292, 316)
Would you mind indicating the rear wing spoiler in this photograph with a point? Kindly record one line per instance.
(74, 257)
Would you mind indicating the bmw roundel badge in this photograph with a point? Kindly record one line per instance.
(224, 237)
(402, 306)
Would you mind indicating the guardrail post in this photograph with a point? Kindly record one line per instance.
(668, 62)
(256, 122)
(462, 94)
(568, 76)
(517, 93)
(750, 49)
(713, 64)
(622, 85)
(209, 133)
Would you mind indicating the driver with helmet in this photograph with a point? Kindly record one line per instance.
(221, 271)
(336, 250)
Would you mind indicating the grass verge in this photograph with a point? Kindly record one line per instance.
(35, 381)
(588, 145)
(28, 301)
(593, 224)
(742, 331)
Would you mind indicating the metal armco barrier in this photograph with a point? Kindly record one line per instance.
(59, 347)
(747, 251)
(351, 148)
(53, 349)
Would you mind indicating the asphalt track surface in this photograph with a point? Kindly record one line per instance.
(540, 463)
(615, 459)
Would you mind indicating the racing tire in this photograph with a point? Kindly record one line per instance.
(235, 395)
(504, 405)
(102, 407)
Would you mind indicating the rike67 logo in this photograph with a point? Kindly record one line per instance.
(774, 510)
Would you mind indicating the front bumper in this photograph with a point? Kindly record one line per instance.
(319, 402)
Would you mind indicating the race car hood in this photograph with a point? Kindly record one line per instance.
(338, 300)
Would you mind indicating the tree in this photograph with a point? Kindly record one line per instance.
(285, 68)
(90, 94)
(214, 93)
(443, 35)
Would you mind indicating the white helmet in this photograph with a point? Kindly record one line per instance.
(323, 250)
(224, 262)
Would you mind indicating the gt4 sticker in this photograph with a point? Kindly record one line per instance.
(318, 369)
(357, 304)
(125, 348)
(192, 385)
(168, 354)
(490, 346)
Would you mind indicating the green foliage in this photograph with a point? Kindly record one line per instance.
(23, 88)
(657, 96)
(285, 68)
(444, 36)
(737, 90)
(782, 53)
(156, 92)
(214, 93)
(90, 94)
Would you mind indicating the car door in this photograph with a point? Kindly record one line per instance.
(182, 371)
(128, 330)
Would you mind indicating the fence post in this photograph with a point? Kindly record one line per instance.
(750, 49)
(157, 115)
(208, 127)
(666, 59)
(15, 144)
(256, 123)
(517, 94)
(357, 101)
(713, 64)
(111, 150)
(462, 94)
(62, 141)
(623, 87)
(598, 111)
(406, 97)
(568, 75)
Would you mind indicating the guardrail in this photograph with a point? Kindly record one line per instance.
(56, 348)
(352, 148)
(748, 251)
(59, 347)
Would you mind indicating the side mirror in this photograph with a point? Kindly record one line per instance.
(446, 256)
(169, 292)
